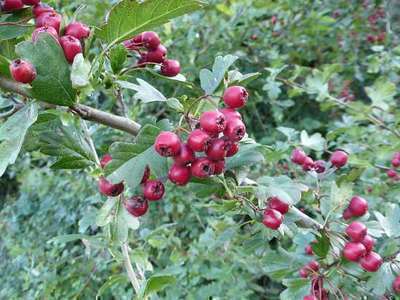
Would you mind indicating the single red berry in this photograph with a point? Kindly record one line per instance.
(278, 204)
(41, 8)
(391, 173)
(368, 243)
(308, 250)
(199, 140)
(212, 122)
(235, 129)
(396, 285)
(138, 39)
(219, 167)
(78, 30)
(347, 214)
(230, 113)
(105, 160)
(358, 206)
(319, 166)
(170, 68)
(50, 19)
(47, 29)
(310, 297)
(356, 231)
(130, 45)
(31, 2)
(168, 144)
(109, 189)
(157, 55)
(308, 164)
(150, 40)
(233, 149)
(303, 272)
(202, 168)
(11, 5)
(137, 206)
(235, 96)
(354, 251)
(217, 149)
(146, 175)
(180, 175)
(185, 156)
(71, 46)
(272, 218)
(153, 190)
(396, 162)
(22, 71)
(298, 156)
(371, 38)
(339, 158)
(371, 262)
(312, 266)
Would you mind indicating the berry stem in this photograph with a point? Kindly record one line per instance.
(129, 269)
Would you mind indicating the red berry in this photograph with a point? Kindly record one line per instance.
(303, 273)
(310, 297)
(105, 160)
(356, 231)
(50, 19)
(199, 140)
(49, 30)
(212, 122)
(272, 218)
(78, 30)
(185, 156)
(371, 262)
(108, 188)
(202, 168)
(219, 167)
(146, 175)
(22, 71)
(233, 149)
(168, 144)
(150, 39)
(391, 173)
(170, 68)
(180, 175)
(278, 204)
(11, 5)
(358, 206)
(396, 162)
(157, 55)
(153, 190)
(235, 130)
(41, 8)
(31, 2)
(136, 206)
(396, 285)
(308, 250)
(308, 164)
(319, 166)
(230, 113)
(368, 243)
(217, 149)
(347, 214)
(339, 158)
(235, 96)
(298, 156)
(312, 266)
(354, 251)
(71, 46)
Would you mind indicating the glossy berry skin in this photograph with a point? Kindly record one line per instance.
(303, 273)
(391, 173)
(105, 160)
(157, 55)
(233, 149)
(30, 2)
(47, 29)
(146, 175)
(368, 243)
(137, 206)
(396, 162)
(185, 156)
(219, 167)
(150, 40)
(230, 113)
(180, 175)
(71, 46)
(235, 130)
(354, 251)
(109, 189)
(308, 164)
(78, 30)
(199, 140)
(313, 266)
(202, 168)
(308, 250)
(358, 206)
(167, 144)
(347, 215)
(170, 68)
(51, 19)
(278, 204)
(272, 218)
(356, 231)
(22, 71)
(41, 8)
(371, 262)
(11, 5)
(310, 297)
(298, 156)
(217, 149)
(319, 166)
(235, 97)
(212, 122)
(153, 190)
(339, 158)
(396, 285)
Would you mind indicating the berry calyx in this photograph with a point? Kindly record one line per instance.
(368, 243)
(235, 130)
(153, 190)
(22, 71)
(347, 214)
(78, 30)
(356, 231)
(212, 122)
(199, 140)
(396, 285)
(185, 156)
(354, 251)
(371, 262)
(109, 189)
(105, 160)
(278, 204)
(150, 40)
(217, 149)
(219, 167)
(272, 218)
(391, 173)
(137, 206)
(41, 8)
(235, 97)
(71, 46)
(233, 149)
(339, 158)
(47, 29)
(170, 68)
(319, 166)
(180, 175)
(30, 2)
(11, 5)
(50, 19)
(157, 55)
(202, 168)
(358, 206)
(167, 144)
(298, 156)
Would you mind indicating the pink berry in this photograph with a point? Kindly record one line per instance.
(137, 206)
(180, 175)
(233, 149)
(391, 173)
(278, 204)
(396, 162)
(157, 55)
(368, 243)
(396, 285)
(31, 2)
(310, 297)
(308, 164)
(235, 97)
(41, 8)
(105, 160)
(167, 144)
(319, 166)
(313, 266)
(50, 19)
(219, 167)
(202, 168)
(22, 71)
(339, 158)
(78, 30)
(272, 218)
(217, 149)
(354, 251)
(358, 206)
(212, 122)
(303, 272)
(150, 39)
(371, 262)
(170, 68)
(71, 46)
(235, 130)
(356, 231)
(11, 5)
(308, 250)
(230, 113)
(185, 156)
(153, 190)
(107, 188)
(47, 29)
(199, 140)
(347, 214)
(298, 156)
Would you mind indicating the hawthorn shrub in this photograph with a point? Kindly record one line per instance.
(247, 149)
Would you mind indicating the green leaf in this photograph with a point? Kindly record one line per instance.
(8, 32)
(237, 78)
(248, 155)
(321, 247)
(13, 132)
(111, 281)
(277, 264)
(316, 84)
(80, 72)
(130, 17)
(338, 197)
(381, 281)
(144, 91)
(157, 283)
(120, 224)
(175, 104)
(315, 142)
(118, 56)
(382, 93)
(103, 215)
(391, 222)
(53, 82)
(130, 221)
(210, 80)
(296, 289)
(67, 238)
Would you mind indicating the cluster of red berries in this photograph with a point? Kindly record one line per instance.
(217, 136)
(357, 207)
(155, 53)
(373, 20)
(274, 213)
(153, 190)
(392, 173)
(49, 21)
(338, 159)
